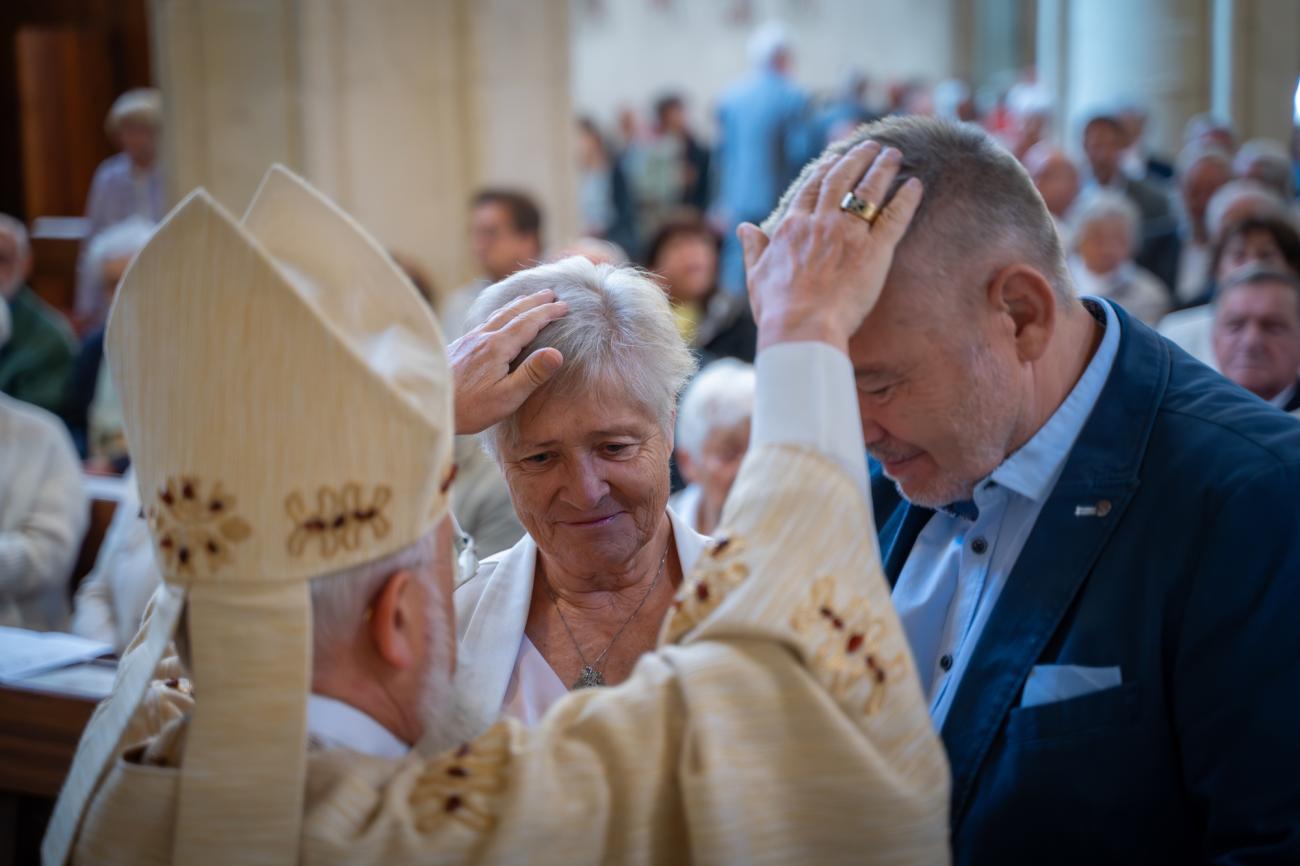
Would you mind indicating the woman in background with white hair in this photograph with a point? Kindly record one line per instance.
(127, 185)
(1106, 228)
(713, 424)
(581, 597)
(90, 406)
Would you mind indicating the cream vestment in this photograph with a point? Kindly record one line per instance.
(779, 722)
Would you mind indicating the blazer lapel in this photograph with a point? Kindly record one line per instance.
(898, 536)
(1089, 500)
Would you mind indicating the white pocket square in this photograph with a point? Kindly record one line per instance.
(1048, 684)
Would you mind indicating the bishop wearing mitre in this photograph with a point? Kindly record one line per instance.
(289, 405)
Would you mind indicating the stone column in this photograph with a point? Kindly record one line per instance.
(397, 110)
(1179, 57)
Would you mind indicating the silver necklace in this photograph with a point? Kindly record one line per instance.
(591, 674)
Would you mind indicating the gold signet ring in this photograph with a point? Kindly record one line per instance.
(860, 208)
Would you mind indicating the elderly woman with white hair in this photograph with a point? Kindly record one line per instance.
(127, 185)
(1104, 236)
(581, 597)
(713, 425)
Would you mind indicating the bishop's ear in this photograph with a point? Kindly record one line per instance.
(394, 631)
(1029, 303)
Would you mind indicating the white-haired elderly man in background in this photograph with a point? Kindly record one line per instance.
(1105, 233)
(297, 492)
(713, 428)
(127, 184)
(43, 512)
(583, 594)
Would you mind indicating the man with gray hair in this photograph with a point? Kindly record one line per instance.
(36, 361)
(1086, 531)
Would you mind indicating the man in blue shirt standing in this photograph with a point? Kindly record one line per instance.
(763, 141)
(1094, 540)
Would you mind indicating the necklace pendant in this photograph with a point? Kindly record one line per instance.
(589, 678)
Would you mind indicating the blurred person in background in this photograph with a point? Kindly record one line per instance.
(1257, 334)
(598, 251)
(1265, 239)
(763, 141)
(1180, 258)
(605, 206)
(90, 406)
(1266, 162)
(505, 236)
(1104, 140)
(1138, 160)
(1029, 118)
(1104, 235)
(43, 512)
(684, 256)
(111, 600)
(127, 185)
(713, 426)
(1208, 130)
(846, 109)
(37, 359)
(693, 158)
(1056, 178)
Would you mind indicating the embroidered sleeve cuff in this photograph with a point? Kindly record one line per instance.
(806, 396)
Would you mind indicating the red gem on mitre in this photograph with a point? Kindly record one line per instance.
(702, 592)
(854, 643)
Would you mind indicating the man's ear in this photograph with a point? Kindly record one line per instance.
(392, 622)
(1028, 302)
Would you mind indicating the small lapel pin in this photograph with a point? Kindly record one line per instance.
(1101, 509)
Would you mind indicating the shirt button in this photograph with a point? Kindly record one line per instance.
(980, 546)
(945, 662)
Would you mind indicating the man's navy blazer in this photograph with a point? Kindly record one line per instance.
(1170, 548)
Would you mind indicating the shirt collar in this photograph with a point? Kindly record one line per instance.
(1032, 471)
(1283, 398)
(336, 725)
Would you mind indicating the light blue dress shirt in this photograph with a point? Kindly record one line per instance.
(956, 570)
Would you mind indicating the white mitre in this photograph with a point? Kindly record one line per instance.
(287, 400)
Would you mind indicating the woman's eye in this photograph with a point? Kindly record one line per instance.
(537, 459)
(614, 448)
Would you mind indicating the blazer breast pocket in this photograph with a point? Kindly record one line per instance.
(1093, 714)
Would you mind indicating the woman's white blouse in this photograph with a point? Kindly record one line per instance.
(499, 671)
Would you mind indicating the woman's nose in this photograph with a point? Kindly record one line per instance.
(587, 485)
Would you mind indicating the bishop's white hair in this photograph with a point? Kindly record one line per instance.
(619, 332)
(721, 396)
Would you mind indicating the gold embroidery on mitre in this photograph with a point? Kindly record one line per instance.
(195, 532)
(844, 648)
(718, 572)
(462, 784)
(339, 519)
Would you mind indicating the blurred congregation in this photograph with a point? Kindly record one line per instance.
(529, 134)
